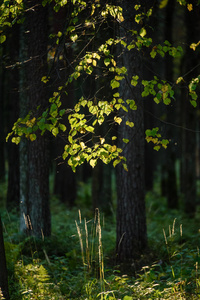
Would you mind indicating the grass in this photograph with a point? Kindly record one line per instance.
(77, 262)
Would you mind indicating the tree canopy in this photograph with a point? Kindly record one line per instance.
(97, 59)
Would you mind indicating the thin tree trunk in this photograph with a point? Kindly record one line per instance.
(12, 200)
(189, 114)
(3, 268)
(2, 134)
(171, 185)
(23, 146)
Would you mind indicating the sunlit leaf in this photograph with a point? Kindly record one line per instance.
(16, 140)
(93, 162)
(118, 120)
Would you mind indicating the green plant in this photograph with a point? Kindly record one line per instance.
(92, 254)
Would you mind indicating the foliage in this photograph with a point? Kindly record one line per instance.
(82, 141)
(54, 269)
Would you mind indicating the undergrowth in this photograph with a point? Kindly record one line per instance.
(78, 261)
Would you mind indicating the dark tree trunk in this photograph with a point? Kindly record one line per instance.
(171, 182)
(101, 188)
(131, 215)
(189, 114)
(65, 182)
(3, 268)
(65, 179)
(34, 165)
(2, 133)
(13, 113)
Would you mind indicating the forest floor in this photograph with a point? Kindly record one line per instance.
(78, 261)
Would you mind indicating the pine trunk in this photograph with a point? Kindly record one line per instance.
(131, 215)
(35, 167)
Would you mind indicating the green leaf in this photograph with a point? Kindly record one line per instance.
(64, 155)
(153, 53)
(130, 124)
(131, 46)
(62, 127)
(90, 128)
(62, 112)
(114, 84)
(131, 104)
(106, 61)
(2, 39)
(116, 162)
(32, 137)
(126, 141)
(134, 80)
(167, 101)
(157, 147)
(128, 298)
(16, 140)
(194, 103)
(125, 167)
(55, 131)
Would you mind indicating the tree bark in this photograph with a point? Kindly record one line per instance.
(12, 201)
(131, 215)
(189, 114)
(34, 157)
(171, 184)
(2, 133)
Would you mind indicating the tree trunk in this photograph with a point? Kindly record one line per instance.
(189, 113)
(2, 134)
(13, 113)
(34, 166)
(171, 184)
(131, 215)
(101, 188)
(3, 269)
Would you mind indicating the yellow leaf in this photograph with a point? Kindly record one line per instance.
(114, 138)
(45, 79)
(93, 163)
(94, 62)
(143, 32)
(16, 140)
(190, 7)
(114, 148)
(165, 88)
(32, 137)
(118, 120)
(31, 122)
(93, 9)
(179, 80)
(193, 46)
